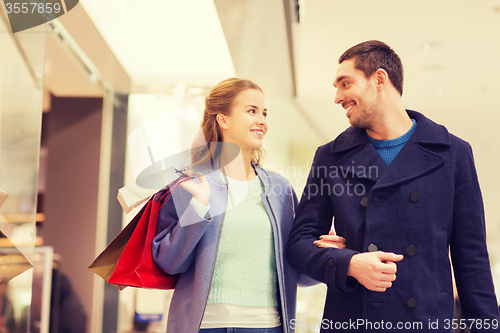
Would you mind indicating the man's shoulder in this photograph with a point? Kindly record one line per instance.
(458, 142)
(347, 139)
(432, 132)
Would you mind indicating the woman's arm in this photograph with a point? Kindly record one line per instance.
(173, 248)
(330, 240)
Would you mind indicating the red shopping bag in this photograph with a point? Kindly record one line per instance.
(127, 260)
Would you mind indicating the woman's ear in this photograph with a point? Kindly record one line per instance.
(222, 121)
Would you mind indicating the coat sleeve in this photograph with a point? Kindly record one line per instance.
(314, 218)
(468, 248)
(302, 279)
(174, 246)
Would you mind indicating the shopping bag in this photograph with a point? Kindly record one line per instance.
(104, 265)
(127, 260)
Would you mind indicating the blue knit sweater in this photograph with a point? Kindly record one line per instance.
(389, 149)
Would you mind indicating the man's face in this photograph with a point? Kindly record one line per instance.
(357, 94)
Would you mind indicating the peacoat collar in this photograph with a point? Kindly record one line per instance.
(356, 155)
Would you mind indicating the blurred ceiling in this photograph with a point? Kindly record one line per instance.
(162, 43)
(449, 49)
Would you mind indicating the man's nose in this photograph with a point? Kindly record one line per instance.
(339, 97)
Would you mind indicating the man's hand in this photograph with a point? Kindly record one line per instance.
(330, 240)
(374, 270)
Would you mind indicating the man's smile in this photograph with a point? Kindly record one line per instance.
(348, 107)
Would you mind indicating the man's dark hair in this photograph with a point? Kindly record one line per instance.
(372, 55)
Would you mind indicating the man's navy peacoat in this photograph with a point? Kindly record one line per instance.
(426, 204)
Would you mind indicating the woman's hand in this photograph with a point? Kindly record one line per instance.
(330, 240)
(200, 191)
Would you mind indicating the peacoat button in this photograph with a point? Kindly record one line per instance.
(364, 202)
(330, 262)
(372, 248)
(415, 197)
(410, 250)
(412, 302)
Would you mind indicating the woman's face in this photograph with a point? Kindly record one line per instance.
(246, 124)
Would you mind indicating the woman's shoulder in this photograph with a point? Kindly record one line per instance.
(280, 187)
(278, 183)
(275, 177)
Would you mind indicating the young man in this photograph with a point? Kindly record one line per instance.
(404, 194)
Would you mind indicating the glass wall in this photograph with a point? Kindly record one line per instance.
(141, 309)
(21, 91)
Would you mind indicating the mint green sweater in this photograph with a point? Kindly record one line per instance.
(245, 269)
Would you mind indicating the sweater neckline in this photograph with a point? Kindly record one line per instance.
(235, 181)
(393, 142)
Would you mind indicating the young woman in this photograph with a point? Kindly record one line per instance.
(225, 231)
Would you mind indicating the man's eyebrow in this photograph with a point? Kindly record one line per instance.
(340, 78)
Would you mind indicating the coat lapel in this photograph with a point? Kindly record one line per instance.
(411, 162)
(417, 157)
(359, 156)
(363, 162)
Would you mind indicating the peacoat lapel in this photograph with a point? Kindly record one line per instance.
(411, 162)
(357, 156)
(417, 157)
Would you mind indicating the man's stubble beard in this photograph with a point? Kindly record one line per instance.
(365, 116)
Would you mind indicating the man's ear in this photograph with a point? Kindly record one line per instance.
(222, 120)
(381, 78)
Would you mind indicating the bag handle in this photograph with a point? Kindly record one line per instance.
(169, 189)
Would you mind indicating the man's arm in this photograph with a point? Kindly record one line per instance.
(314, 218)
(468, 248)
(339, 269)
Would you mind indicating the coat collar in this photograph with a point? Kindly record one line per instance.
(264, 177)
(416, 157)
(426, 133)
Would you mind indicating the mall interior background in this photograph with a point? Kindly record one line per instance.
(107, 67)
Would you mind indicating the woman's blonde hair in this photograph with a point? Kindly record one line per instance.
(219, 101)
